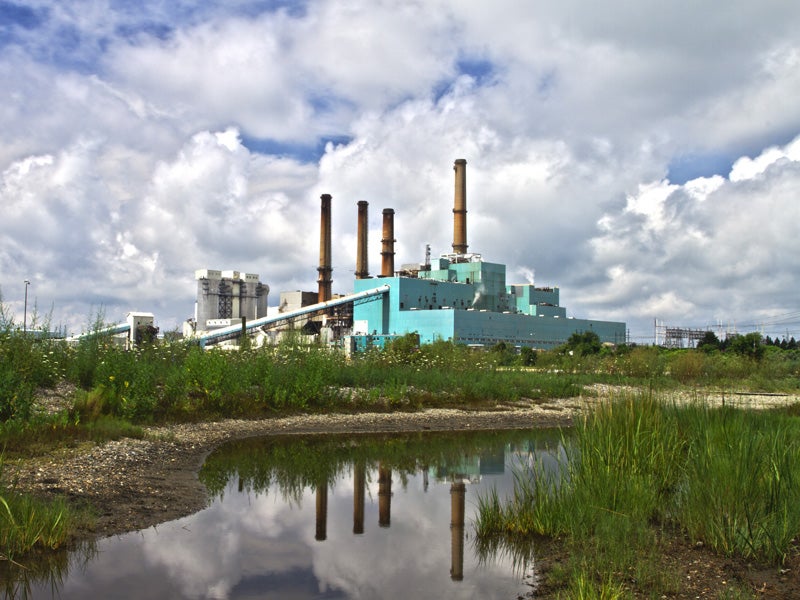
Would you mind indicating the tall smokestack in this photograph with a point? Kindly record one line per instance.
(362, 266)
(458, 492)
(387, 243)
(460, 208)
(325, 269)
(384, 496)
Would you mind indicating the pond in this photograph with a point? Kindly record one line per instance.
(322, 517)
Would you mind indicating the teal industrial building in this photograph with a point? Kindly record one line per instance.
(470, 303)
(459, 297)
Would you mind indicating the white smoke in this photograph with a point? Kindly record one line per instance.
(528, 274)
(478, 294)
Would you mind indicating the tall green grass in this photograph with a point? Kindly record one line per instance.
(180, 381)
(176, 381)
(27, 524)
(741, 490)
(639, 469)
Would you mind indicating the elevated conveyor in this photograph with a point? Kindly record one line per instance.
(110, 330)
(233, 331)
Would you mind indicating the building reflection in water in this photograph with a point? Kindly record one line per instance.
(333, 562)
(359, 485)
(322, 511)
(458, 475)
(384, 496)
(458, 493)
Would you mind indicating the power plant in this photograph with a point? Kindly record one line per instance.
(457, 297)
(462, 298)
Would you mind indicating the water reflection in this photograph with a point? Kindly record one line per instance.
(280, 523)
(45, 571)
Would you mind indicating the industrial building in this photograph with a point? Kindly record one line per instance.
(224, 298)
(458, 297)
(462, 298)
(138, 327)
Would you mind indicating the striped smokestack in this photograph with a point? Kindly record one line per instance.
(460, 208)
(325, 268)
(387, 243)
(362, 263)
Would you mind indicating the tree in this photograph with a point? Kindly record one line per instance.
(709, 342)
(504, 353)
(583, 343)
(747, 345)
(527, 356)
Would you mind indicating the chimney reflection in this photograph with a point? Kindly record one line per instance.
(384, 496)
(322, 512)
(457, 479)
(359, 484)
(458, 493)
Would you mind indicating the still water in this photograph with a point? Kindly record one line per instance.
(323, 517)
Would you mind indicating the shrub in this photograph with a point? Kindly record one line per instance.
(642, 362)
(688, 366)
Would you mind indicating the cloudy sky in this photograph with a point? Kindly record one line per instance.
(642, 156)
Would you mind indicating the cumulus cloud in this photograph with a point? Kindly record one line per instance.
(712, 250)
(140, 145)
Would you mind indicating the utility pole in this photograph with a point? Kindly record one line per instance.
(25, 309)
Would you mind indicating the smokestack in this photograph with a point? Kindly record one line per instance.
(460, 208)
(362, 266)
(458, 492)
(387, 248)
(384, 496)
(325, 269)
(322, 512)
(359, 479)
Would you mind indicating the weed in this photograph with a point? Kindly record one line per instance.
(728, 478)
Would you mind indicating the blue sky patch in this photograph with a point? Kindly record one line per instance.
(160, 31)
(482, 71)
(305, 153)
(479, 69)
(23, 16)
(691, 166)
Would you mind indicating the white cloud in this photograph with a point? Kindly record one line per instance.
(712, 249)
(130, 154)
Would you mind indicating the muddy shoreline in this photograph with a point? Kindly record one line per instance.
(132, 484)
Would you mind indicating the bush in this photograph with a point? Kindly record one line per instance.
(688, 366)
(642, 362)
(583, 343)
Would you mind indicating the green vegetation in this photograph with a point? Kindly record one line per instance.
(176, 381)
(27, 524)
(640, 471)
(115, 391)
(291, 465)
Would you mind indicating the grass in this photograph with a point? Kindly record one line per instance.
(118, 391)
(28, 524)
(639, 470)
(749, 502)
(44, 434)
